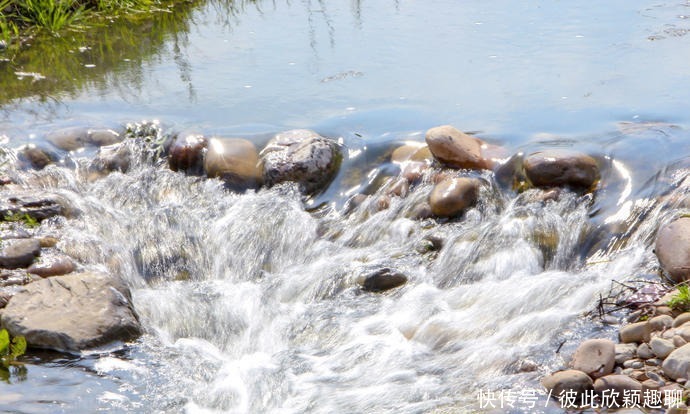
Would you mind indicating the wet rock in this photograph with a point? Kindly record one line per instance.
(673, 249)
(398, 187)
(382, 280)
(37, 205)
(624, 352)
(301, 156)
(644, 351)
(661, 347)
(235, 161)
(681, 319)
(635, 332)
(48, 241)
(560, 168)
(52, 266)
(661, 322)
(353, 202)
(595, 357)
(421, 211)
(72, 313)
(32, 156)
(18, 253)
(111, 158)
(568, 380)
(455, 148)
(186, 154)
(11, 277)
(415, 152)
(677, 363)
(453, 196)
(72, 139)
(413, 171)
(617, 386)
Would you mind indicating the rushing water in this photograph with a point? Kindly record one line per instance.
(251, 303)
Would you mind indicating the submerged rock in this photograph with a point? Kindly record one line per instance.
(452, 196)
(301, 156)
(38, 205)
(72, 313)
(561, 168)
(52, 266)
(595, 357)
(32, 156)
(673, 249)
(235, 161)
(412, 152)
(19, 253)
(186, 153)
(455, 149)
(117, 157)
(72, 139)
(382, 280)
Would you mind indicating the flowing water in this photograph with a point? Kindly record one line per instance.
(251, 301)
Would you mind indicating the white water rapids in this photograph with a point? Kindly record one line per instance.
(251, 303)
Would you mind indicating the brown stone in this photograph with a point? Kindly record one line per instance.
(595, 357)
(561, 168)
(455, 149)
(186, 153)
(235, 161)
(673, 249)
(453, 196)
(52, 266)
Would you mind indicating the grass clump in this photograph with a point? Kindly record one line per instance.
(10, 350)
(25, 218)
(681, 300)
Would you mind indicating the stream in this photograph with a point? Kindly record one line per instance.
(250, 301)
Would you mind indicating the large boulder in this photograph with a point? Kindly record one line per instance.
(301, 156)
(19, 253)
(673, 249)
(186, 153)
(235, 161)
(456, 149)
(677, 363)
(73, 312)
(595, 357)
(561, 168)
(452, 196)
(72, 139)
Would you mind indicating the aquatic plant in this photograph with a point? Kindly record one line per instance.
(10, 350)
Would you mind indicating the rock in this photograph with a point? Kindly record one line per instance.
(677, 363)
(413, 171)
(186, 153)
(661, 347)
(624, 352)
(72, 313)
(398, 187)
(117, 157)
(382, 280)
(235, 161)
(617, 386)
(653, 362)
(453, 196)
(301, 156)
(412, 152)
(650, 385)
(595, 357)
(9, 277)
(455, 149)
(72, 139)
(684, 332)
(52, 266)
(39, 205)
(48, 241)
(681, 319)
(19, 253)
(560, 168)
(32, 156)
(678, 341)
(673, 249)
(568, 380)
(661, 322)
(644, 351)
(635, 332)
(638, 375)
(4, 298)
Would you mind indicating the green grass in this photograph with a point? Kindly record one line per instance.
(10, 350)
(681, 300)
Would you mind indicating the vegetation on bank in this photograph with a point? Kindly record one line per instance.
(19, 17)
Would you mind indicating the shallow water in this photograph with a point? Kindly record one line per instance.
(251, 303)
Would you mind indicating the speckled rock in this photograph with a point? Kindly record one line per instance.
(303, 157)
(595, 357)
(561, 168)
(235, 161)
(455, 149)
(72, 313)
(673, 249)
(453, 196)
